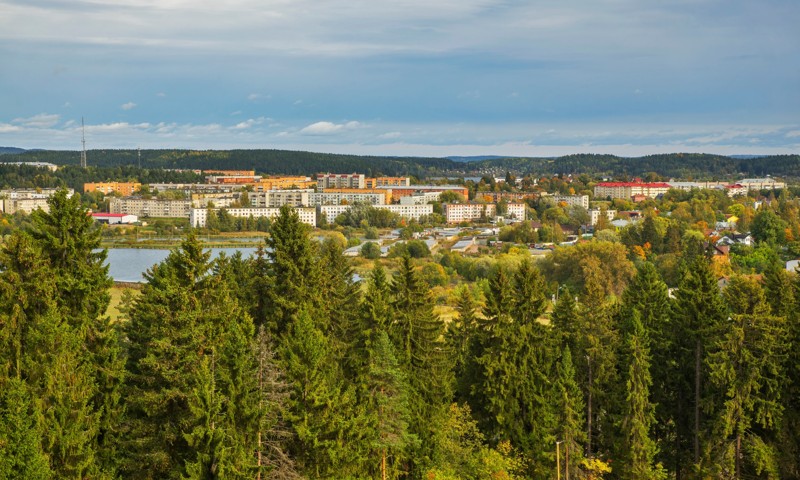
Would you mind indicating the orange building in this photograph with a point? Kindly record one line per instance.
(387, 182)
(123, 188)
(283, 183)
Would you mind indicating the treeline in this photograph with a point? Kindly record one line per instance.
(673, 165)
(263, 161)
(283, 366)
(696, 166)
(73, 176)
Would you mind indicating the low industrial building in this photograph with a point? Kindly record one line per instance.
(115, 218)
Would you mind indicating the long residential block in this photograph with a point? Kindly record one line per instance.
(198, 217)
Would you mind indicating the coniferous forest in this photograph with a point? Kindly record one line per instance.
(284, 366)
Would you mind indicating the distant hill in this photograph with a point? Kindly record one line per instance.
(11, 150)
(274, 162)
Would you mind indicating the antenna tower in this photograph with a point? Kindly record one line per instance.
(83, 142)
(139, 154)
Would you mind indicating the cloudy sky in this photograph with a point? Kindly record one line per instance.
(397, 77)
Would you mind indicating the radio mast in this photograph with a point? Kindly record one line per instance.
(83, 143)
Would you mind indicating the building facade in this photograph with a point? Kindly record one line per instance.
(198, 217)
(340, 180)
(572, 200)
(151, 207)
(410, 212)
(626, 190)
(469, 212)
(27, 200)
(123, 188)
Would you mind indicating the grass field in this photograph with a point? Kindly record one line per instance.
(117, 292)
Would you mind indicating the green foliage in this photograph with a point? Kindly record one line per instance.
(21, 454)
(370, 250)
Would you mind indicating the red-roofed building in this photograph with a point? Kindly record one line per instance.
(735, 189)
(627, 190)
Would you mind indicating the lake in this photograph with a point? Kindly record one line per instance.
(129, 264)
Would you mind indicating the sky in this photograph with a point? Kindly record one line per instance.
(403, 77)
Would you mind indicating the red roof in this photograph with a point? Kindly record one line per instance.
(633, 184)
(112, 215)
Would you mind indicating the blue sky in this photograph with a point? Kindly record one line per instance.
(403, 77)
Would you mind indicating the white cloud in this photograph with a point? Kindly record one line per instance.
(128, 106)
(161, 94)
(258, 96)
(390, 135)
(328, 128)
(42, 120)
(8, 128)
(249, 123)
(793, 134)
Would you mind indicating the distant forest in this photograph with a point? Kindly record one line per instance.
(675, 165)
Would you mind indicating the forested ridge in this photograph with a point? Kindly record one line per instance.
(283, 366)
(676, 165)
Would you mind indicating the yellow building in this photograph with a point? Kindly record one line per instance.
(123, 188)
(283, 183)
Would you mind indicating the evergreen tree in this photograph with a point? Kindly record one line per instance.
(293, 270)
(165, 344)
(746, 364)
(70, 239)
(462, 338)
(417, 334)
(391, 440)
(638, 448)
(517, 364)
(340, 292)
(567, 325)
(319, 409)
(699, 312)
(21, 454)
(648, 296)
(598, 347)
(569, 412)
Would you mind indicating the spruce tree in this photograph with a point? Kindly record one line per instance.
(638, 448)
(517, 364)
(417, 334)
(21, 454)
(699, 312)
(570, 413)
(462, 338)
(390, 438)
(746, 365)
(292, 269)
(70, 239)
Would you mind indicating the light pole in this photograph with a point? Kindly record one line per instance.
(558, 460)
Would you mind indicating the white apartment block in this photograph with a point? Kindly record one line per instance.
(278, 198)
(198, 217)
(392, 181)
(338, 198)
(420, 198)
(221, 200)
(626, 190)
(411, 212)
(340, 180)
(188, 188)
(468, 212)
(571, 200)
(686, 186)
(27, 200)
(761, 184)
(594, 215)
(142, 207)
(515, 210)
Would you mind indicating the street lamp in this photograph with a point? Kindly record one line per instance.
(558, 460)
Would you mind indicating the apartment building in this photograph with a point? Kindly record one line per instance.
(410, 212)
(388, 182)
(152, 207)
(283, 183)
(232, 179)
(340, 180)
(761, 184)
(626, 190)
(572, 200)
(198, 217)
(400, 192)
(277, 198)
(419, 198)
(469, 212)
(27, 200)
(516, 211)
(123, 188)
(220, 200)
(594, 215)
(348, 196)
(231, 173)
(190, 188)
